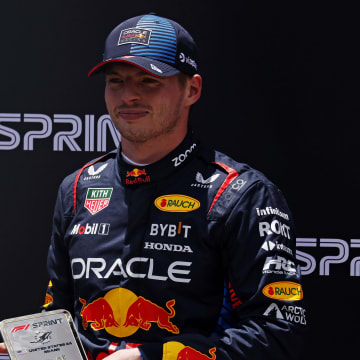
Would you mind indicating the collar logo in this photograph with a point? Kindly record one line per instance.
(97, 199)
(200, 179)
(135, 173)
(204, 183)
(94, 174)
(176, 203)
(92, 171)
(283, 290)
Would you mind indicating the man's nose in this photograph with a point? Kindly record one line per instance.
(129, 92)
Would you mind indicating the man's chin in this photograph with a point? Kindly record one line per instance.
(138, 138)
(143, 137)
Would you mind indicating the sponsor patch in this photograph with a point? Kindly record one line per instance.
(94, 174)
(204, 183)
(139, 176)
(176, 203)
(135, 172)
(122, 313)
(177, 160)
(91, 229)
(188, 60)
(270, 245)
(295, 314)
(167, 247)
(98, 267)
(134, 36)
(275, 227)
(155, 68)
(283, 290)
(97, 199)
(279, 265)
(271, 211)
(170, 230)
(177, 350)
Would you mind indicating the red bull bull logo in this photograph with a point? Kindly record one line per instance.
(99, 313)
(175, 350)
(144, 312)
(139, 176)
(121, 313)
(189, 353)
(136, 172)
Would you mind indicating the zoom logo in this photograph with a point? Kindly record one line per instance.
(340, 254)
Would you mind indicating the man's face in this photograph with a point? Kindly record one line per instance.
(142, 106)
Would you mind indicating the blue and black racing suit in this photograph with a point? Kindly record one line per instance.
(191, 257)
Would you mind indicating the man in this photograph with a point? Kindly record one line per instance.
(164, 249)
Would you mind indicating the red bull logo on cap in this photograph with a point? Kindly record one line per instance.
(121, 313)
(174, 350)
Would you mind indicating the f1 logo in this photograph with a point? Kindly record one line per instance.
(20, 327)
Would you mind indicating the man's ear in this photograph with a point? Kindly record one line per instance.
(193, 89)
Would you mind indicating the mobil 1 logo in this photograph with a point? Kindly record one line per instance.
(91, 229)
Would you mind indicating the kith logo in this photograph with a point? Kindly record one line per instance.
(97, 199)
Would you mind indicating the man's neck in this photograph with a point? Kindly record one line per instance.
(152, 150)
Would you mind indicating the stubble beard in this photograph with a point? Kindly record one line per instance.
(166, 126)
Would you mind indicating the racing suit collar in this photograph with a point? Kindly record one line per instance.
(132, 175)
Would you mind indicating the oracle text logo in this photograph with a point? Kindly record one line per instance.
(57, 127)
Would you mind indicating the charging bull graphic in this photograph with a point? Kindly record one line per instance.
(99, 313)
(188, 353)
(143, 312)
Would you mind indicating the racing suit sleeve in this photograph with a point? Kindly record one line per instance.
(266, 318)
(59, 294)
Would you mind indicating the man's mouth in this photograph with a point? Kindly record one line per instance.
(132, 114)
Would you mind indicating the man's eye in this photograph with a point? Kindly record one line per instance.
(150, 81)
(114, 81)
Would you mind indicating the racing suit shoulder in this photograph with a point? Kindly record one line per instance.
(241, 177)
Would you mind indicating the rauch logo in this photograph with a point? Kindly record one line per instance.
(176, 203)
(283, 290)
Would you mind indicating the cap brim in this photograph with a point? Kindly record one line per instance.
(154, 67)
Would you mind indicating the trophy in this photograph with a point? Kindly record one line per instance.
(44, 336)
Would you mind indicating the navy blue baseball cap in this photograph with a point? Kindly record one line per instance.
(155, 44)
